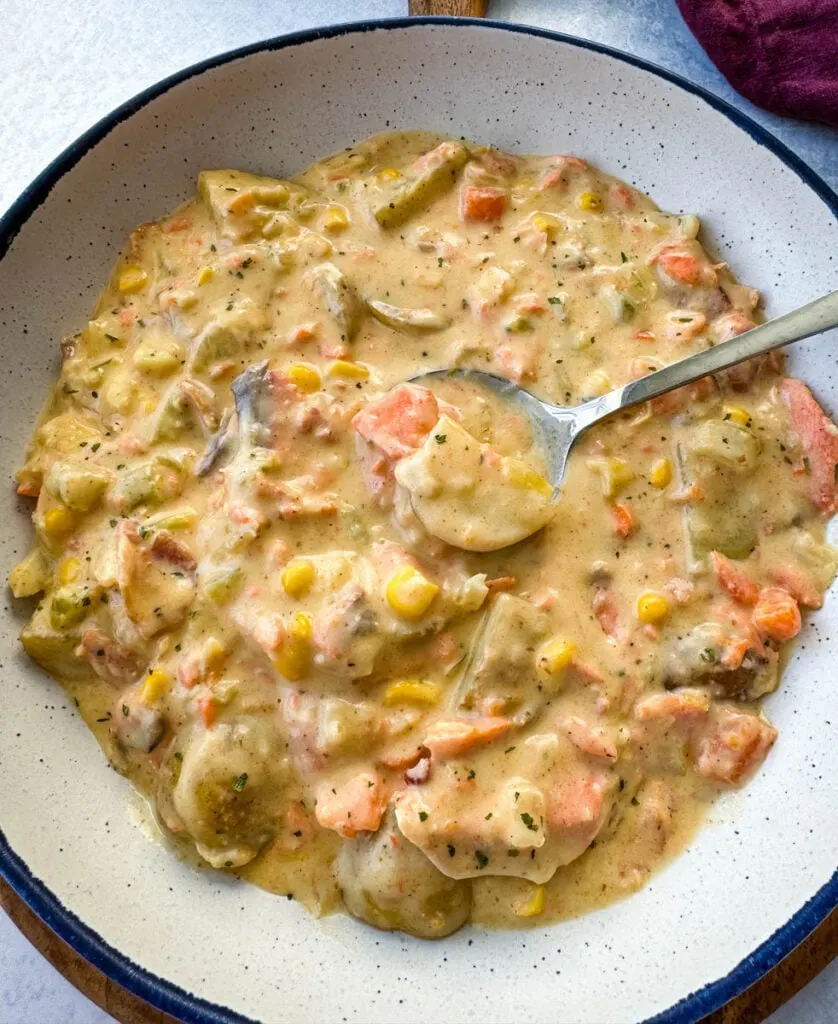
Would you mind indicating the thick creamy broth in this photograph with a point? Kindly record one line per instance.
(334, 625)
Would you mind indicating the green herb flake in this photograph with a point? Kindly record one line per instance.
(423, 815)
(554, 300)
(126, 710)
(240, 782)
(708, 655)
(481, 858)
(440, 438)
(623, 258)
(634, 801)
(471, 774)
(451, 850)
(512, 853)
(527, 820)
(488, 816)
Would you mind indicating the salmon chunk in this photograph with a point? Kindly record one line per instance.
(400, 421)
(819, 439)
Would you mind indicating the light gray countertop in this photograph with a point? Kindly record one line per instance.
(65, 65)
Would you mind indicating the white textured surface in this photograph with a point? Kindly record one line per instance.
(61, 73)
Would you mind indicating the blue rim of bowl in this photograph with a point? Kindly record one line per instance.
(163, 994)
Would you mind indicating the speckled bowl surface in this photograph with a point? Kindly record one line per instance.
(206, 948)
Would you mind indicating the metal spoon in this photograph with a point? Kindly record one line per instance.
(559, 427)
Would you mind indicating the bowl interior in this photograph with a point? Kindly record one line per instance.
(73, 822)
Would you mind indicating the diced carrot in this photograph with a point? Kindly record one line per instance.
(28, 485)
(209, 711)
(595, 740)
(454, 737)
(686, 705)
(734, 580)
(355, 806)
(819, 439)
(400, 421)
(623, 194)
(623, 520)
(604, 607)
(681, 267)
(575, 804)
(799, 585)
(482, 205)
(735, 743)
(776, 614)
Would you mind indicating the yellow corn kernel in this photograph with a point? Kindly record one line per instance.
(519, 474)
(411, 691)
(388, 174)
(343, 368)
(409, 593)
(738, 415)
(335, 219)
(68, 570)
(205, 275)
(298, 576)
(652, 607)
(213, 654)
(155, 686)
(545, 222)
(301, 627)
(615, 474)
(293, 659)
(132, 279)
(590, 201)
(306, 378)
(556, 655)
(534, 905)
(149, 405)
(661, 474)
(59, 521)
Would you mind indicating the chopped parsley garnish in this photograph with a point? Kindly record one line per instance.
(708, 655)
(623, 258)
(509, 750)
(126, 710)
(481, 858)
(451, 850)
(96, 447)
(423, 815)
(555, 300)
(489, 815)
(634, 801)
(512, 853)
(240, 782)
(440, 438)
(527, 820)
(471, 774)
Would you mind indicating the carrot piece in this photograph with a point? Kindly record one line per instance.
(355, 806)
(501, 583)
(623, 520)
(776, 614)
(819, 439)
(681, 266)
(400, 421)
(452, 738)
(482, 205)
(209, 711)
(734, 580)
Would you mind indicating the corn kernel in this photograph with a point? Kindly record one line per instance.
(306, 378)
(343, 368)
(298, 576)
(590, 201)
(556, 655)
(68, 570)
(59, 521)
(652, 607)
(738, 415)
(615, 474)
(661, 474)
(519, 474)
(293, 659)
(388, 174)
(213, 654)
(409, 593)
(205, 275)
(335, 219)
(132, 279)
(301, 627)
(411, 691)
(545, 222)
(534, 905)
(155, 686)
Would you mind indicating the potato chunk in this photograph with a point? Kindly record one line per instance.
(468, 496)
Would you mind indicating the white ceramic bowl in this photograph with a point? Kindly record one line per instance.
(204, 947)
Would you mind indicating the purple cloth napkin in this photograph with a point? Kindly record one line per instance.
(780, 54)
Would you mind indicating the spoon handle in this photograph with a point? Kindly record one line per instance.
(813, 318)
